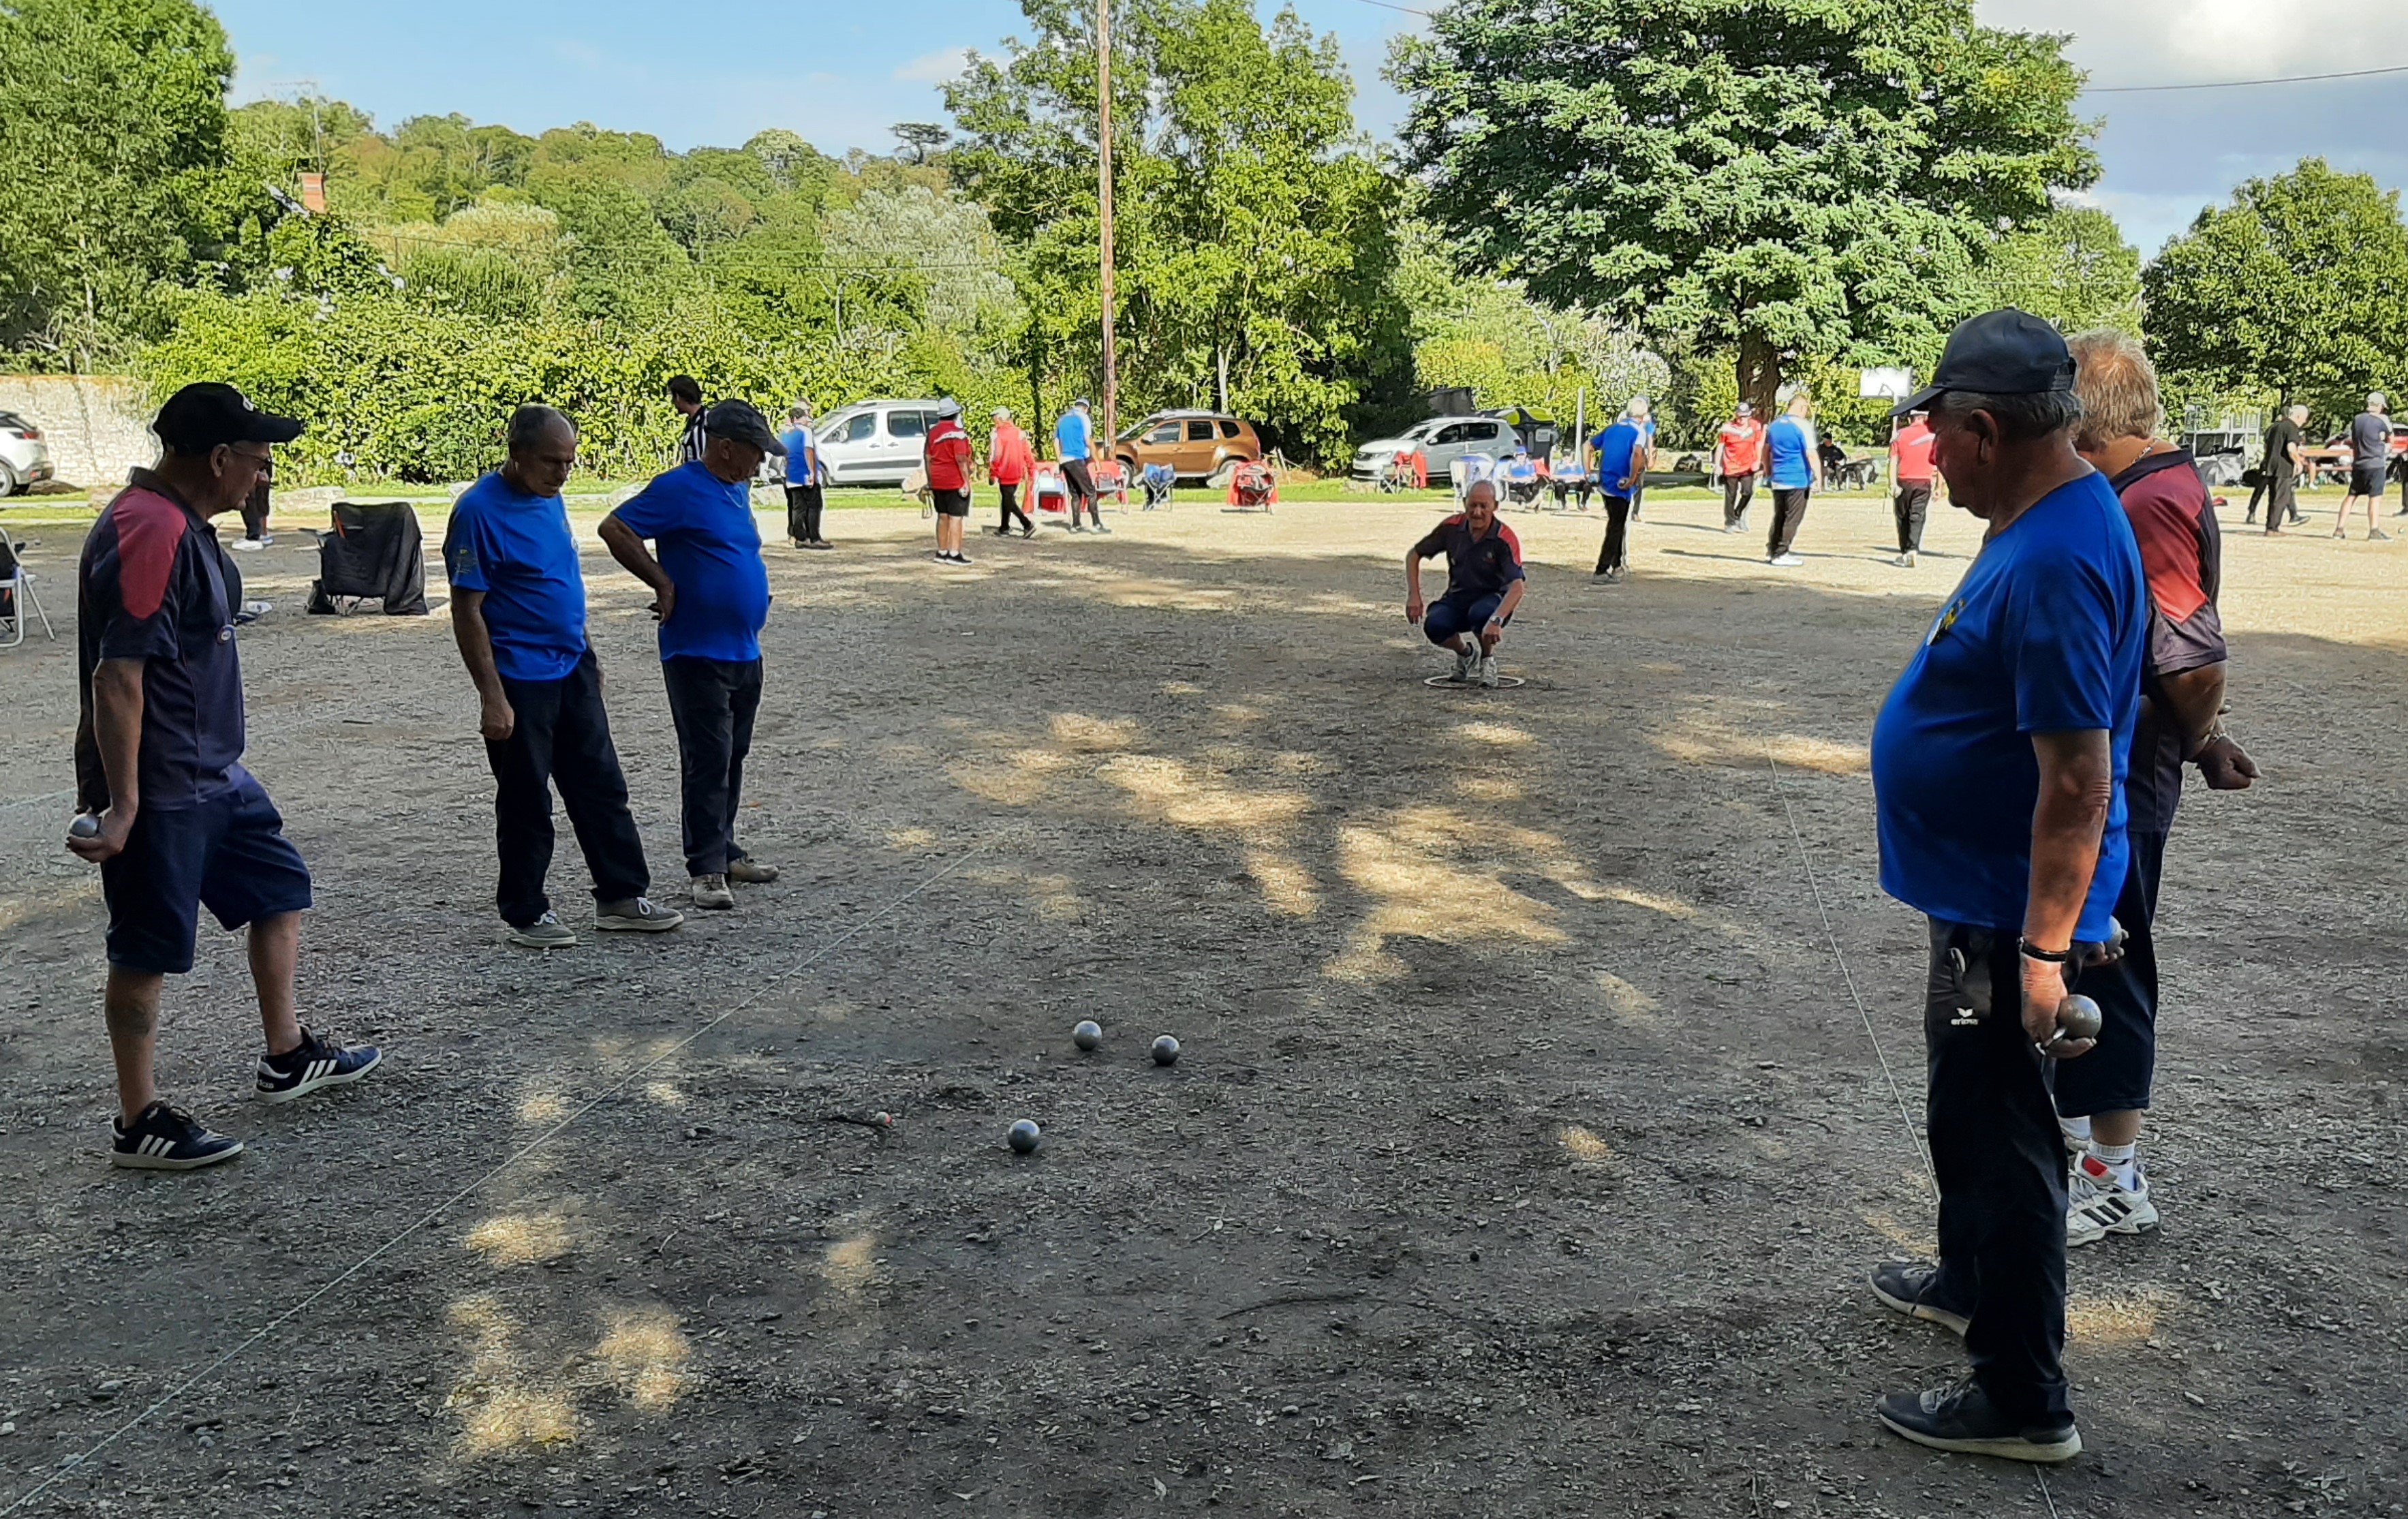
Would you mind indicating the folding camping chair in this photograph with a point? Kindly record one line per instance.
(375, 553)
(1161, 482)
(17, 595)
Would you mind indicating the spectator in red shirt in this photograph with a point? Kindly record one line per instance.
(948, 460)
(1009, 462)
(1739, 459)
(1911, 472)
(2100, 1098)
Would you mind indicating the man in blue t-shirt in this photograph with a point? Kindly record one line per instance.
(804, 495)
(1790, 450)
(518, 613)
(1072, 444)
(1619, 456)
(713, 596)
(1998, 763)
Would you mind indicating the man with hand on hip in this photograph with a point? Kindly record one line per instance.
(711, 593)
(517, 615)
(1998, 763)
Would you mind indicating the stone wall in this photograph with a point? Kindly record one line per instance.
(98, 426)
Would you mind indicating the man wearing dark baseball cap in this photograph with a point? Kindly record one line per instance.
(712, 594)
(176, 819)
(1998, 763)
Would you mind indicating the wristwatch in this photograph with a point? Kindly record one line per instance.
(2030, 951)
(2218, 734)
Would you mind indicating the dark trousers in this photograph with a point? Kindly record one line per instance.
(803, 506)
(2000, 1164)
(1911, 504)
(712, 701)
(1738, 491)
(1615, 551)
(1009, 491)
(2282, 504)
(254, 513)
(2117, 1076)
(561, 740)
(1788, 513)
(1082, 488)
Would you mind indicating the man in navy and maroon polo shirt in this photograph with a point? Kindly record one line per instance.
(1484, 584)
(177, 822)
(2100, 1098)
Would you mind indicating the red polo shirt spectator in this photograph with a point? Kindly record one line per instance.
(1911, 473)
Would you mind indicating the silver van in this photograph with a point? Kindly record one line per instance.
(1442, 439)
(874, 442)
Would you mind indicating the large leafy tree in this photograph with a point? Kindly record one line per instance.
(2071, 267)
(116, 167)
(1254, 237)
(1786, 179)
(2299, 286)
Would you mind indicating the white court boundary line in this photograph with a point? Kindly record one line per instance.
(79, 1462)
(1806, 863)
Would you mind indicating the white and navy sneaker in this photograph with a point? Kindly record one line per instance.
(636, 915)
(1912, 1288)
(1485, 673)
(166, 1139)
(1962, 1418)
(315, 1061)
(2099, 1204)
(1467, 666)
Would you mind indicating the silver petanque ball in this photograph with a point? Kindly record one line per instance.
(1165, 1051)
(1022, 1137)
(1088, 1036)
(2078, 1018)
(84, 826)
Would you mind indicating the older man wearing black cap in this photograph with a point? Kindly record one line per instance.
(1999, 764)
(176, 823)
(712, 595)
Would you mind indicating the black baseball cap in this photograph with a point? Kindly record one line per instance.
(199, 418)
(2001, 352)
(742, 423)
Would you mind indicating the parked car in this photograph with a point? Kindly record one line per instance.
(24, 457)
(1197, 445)
(1441, 440)
(2222, 455)
(874, 442)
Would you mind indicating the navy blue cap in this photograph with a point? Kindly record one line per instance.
(742, 423)
(200, 417)
(2001, 352)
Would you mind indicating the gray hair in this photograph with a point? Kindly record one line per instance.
(2117, 387)
(530, 423)
(2296, 411)
(2021, 418)
(799, 412)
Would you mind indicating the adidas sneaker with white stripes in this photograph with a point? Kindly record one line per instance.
(167, 1138)
(315, 1061)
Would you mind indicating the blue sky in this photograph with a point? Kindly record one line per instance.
(841, 74)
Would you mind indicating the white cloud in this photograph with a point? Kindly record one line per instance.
(933, 67)
(2186, 41)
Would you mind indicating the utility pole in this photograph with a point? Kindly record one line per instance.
(1104, 213)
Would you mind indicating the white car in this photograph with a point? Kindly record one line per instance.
(874, 442)
(1441, 440)
(25, 458)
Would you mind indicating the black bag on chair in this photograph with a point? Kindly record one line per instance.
(375, 553)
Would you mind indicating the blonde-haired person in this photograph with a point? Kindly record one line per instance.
(2100, 1097)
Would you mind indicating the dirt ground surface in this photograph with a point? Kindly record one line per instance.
(1526, 1155)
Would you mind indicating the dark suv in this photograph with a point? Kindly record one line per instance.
(1197, 445)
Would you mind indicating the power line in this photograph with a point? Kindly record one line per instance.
(2226, 84)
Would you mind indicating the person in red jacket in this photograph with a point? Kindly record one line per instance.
(1009, 462)
(948, 460)
(1911, 470)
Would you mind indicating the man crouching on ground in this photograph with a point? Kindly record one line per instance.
(1484, 584)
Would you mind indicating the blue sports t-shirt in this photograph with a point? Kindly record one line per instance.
(1613, 448)
(802, 456)
(704, 535)
(1792, 443)
(517, 549)
(1070, 435)
(2045, 634)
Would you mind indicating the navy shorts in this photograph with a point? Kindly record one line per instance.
(229, 855)
(1450, 615)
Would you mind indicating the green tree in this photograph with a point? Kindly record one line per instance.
(2300, 285)
(1786, 179)
(1253, 239)
(117, 172)
(2071, 267)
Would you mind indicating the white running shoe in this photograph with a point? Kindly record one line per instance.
(1467, 664)
(1487, 672)
(1905, 560)
(1787, 560)
(2099, 1205)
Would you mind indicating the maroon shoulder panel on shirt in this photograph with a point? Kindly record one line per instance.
(149, 528)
